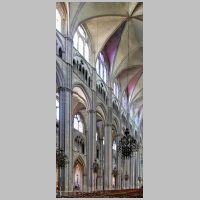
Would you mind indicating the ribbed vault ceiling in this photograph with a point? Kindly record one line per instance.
(116, 29)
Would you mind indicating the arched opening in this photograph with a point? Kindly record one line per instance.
(81, 42)
(78, 176)
(78, 124)
(80, 105)
(62, 17)
(101, 68)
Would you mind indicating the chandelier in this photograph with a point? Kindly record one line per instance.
(61, 158)
(127, 145)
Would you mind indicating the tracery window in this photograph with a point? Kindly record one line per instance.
(102, 68)
(78, 124)
(58, 20)
(80, 42)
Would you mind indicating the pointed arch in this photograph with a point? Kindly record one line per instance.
(79, 171)
(79, 160)
(83, 89)
(60, 80)
(101, 109)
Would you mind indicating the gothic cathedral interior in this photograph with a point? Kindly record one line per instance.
(99, 98)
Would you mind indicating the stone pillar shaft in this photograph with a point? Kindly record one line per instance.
(101, 165)
(118, 164)
(65, 119)
(108, 157)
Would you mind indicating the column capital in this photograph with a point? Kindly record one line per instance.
(63, 88)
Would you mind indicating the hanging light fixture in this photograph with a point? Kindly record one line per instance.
(61, 158)
(127, 145)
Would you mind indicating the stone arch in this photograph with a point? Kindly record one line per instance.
(73, 20)
(101, 116)
(103, 110)
(78, 173)
(80, 160)
(63, 11)
(60, 80)
(85, 92)
(88, 40)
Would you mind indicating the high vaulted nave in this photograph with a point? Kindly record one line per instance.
(99, 94)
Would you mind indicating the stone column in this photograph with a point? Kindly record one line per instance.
(108, 145)
(65, 132)
(120, 177)
(91, 148)
(84, 182)
(108, 157)
(91, 136)
(128, 172)
(118, 186)
(67, 110)
(62, 91)
(140, 173)
(100, 185)
(123, 174)
(136, 170)
(132, 172)
(141, 164)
